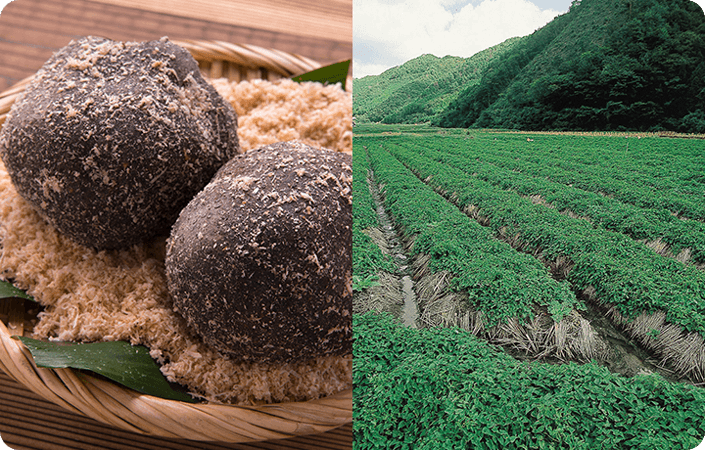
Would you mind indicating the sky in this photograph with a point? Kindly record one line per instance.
(387, 33)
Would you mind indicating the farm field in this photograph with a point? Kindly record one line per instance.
(528, 290)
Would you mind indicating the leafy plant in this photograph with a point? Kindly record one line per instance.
(119, 361)
(498, 280)
(7, 290)
(360, 284)
(330, 74)
(623, 272)
(444, 388)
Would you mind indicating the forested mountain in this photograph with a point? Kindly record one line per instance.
(603, 65)
(420, 88)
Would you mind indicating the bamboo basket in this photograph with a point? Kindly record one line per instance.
(129, 410)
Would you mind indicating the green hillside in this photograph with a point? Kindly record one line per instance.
(604, 65)
(419, 89)
(501, 75)
(576, 35)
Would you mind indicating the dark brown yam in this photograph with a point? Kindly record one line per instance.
(259, 262)
(112, 139)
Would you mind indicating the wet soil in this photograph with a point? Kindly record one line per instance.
(410, 311)
(629, 357)
(408, 314)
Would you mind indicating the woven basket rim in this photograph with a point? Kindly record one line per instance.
(252, 56)
(115, 405)
(129, 410)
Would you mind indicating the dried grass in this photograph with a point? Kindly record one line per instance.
(659, 247)
(665, 250)
(430, 286)
(561, 267)
(453, 198)
(684, 256)
(472, 211)
(573, 338)
(681, 351)
(537, 199)
(384, 296)
(379, 239)
(574, 215)
(570, 339)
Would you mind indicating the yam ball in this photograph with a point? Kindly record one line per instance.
(259, 262)
(112, 139)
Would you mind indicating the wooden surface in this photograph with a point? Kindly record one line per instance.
(31, 30)
(328, 20)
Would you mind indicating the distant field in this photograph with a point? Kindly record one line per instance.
(377, 128)
(559, 247)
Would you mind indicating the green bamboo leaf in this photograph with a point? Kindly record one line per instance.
(331, 74)
(131, 366)
(7, 290)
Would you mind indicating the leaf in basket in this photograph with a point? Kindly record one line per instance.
(7, 290)
(119, 361)
(334, 73)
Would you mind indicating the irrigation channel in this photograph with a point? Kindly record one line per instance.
(394, 292)
(397, 293)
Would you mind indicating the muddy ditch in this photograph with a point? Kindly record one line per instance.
(393, 292)
(662, 346)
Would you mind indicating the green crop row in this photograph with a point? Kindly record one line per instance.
(651, 174)
(363, 204)
(609, 213)
(623, 272)
(499, 281)
(445, 389)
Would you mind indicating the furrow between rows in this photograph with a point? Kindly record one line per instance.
(381, 282)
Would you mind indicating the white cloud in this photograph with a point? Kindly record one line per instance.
(406, 29)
